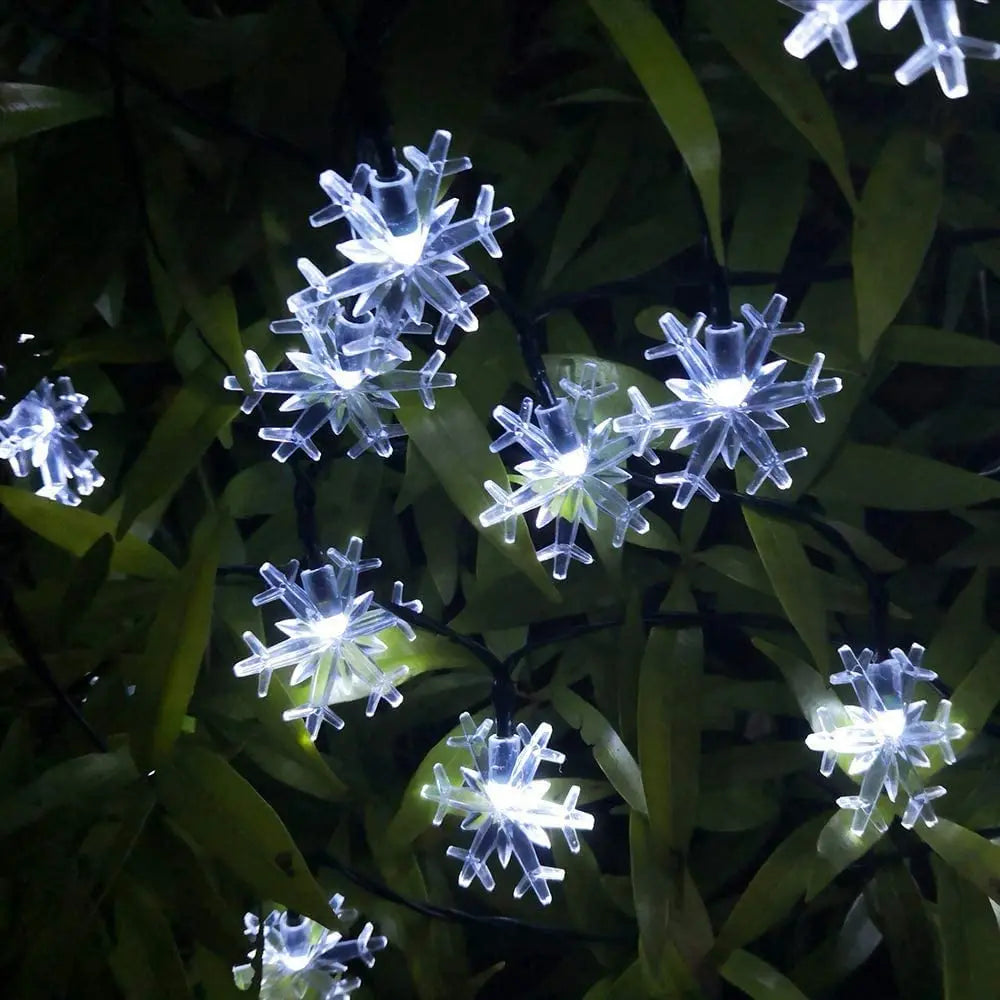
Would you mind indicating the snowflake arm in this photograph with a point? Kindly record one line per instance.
(303, 958)
(575, 470)
(729, 401)
(332, 640)
(886, 736)
(349, 378)
(824, 21)
(40, 432)
(500, 799)
(405, 246)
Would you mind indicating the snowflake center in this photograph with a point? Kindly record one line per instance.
(891, 723)
(332, 627)
(506, 799)
(347, 380)
(729, 392)
(407, 249)
(573, 463)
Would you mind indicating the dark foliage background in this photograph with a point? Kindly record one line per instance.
(158, 162)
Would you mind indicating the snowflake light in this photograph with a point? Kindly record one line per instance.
(41, 432)
(333, 640)
(886, 737)
(405, 246)
(302, 958)
(729, 402)
(506, 807)
(575, 470)
(944, 48)
(348, 378)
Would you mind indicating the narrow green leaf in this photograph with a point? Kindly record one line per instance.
(837, 848)
(85, 579)
(215, 317)
(757, 979)
(457, 447)
(975, 858)
(113, 347)
(875, 476)
(611, 754)
(749, 30)
(76, 530)
(221, 811)
(968, 931)
(676, 94)
(893, 227)
(793, 579)
(29, 108)
(176, 644)
(925, 345)
(975, 698)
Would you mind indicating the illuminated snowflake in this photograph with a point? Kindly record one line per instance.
(575, 470)
(886, 736)
(333, 640)
(729, 402)
(40, 432)
(348, 378)
(405, 246)
(302, 958)
(506, 807)
(944, 48)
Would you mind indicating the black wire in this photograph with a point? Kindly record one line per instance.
(304, 500)
(720, 314)
(436, 912)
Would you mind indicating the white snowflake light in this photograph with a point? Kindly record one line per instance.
(506, 807)
(332, 640)
(729, 402)
(405, 246)
(576, 469)
(302, 958)
(40, 432)
(886, 737)
(348, 378)
(944, 50)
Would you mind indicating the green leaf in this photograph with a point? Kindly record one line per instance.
(590, 196)
(457, 447)
(757, 979)
(793, 579)
(176, 644)
(975, 698)
(611, 754)
(808, 686)
(215, 317)
(113, 347)
(837, 848)
(925, 345)
(875, 476)
(968, 930)
(893, 227)
(773, 891)
(676, 94)
(750, 31)
(29, 108)
(76, 530)
(91, 778)
(221, 811)
(84, 581)
(975, 858)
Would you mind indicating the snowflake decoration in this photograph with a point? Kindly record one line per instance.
(333, 640)
(41, 432)
(501, 800)
(944, 50)
(348, 378)
(575, 470)
(729, 402)
(886, 736)
(303, 958)
(405, 246)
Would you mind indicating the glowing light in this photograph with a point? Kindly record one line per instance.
(574, 463)
(730, 392)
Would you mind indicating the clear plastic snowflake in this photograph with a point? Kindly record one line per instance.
(944, 48)
(405, 246)
(886, 737)
(348, 378)
(333, 640)
(729, 402)
(575, 470)
(302, 958)
(40, 432)
(506, 807)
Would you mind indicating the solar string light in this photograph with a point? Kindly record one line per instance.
(945, 48)
(886, 736)
(728, 403)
